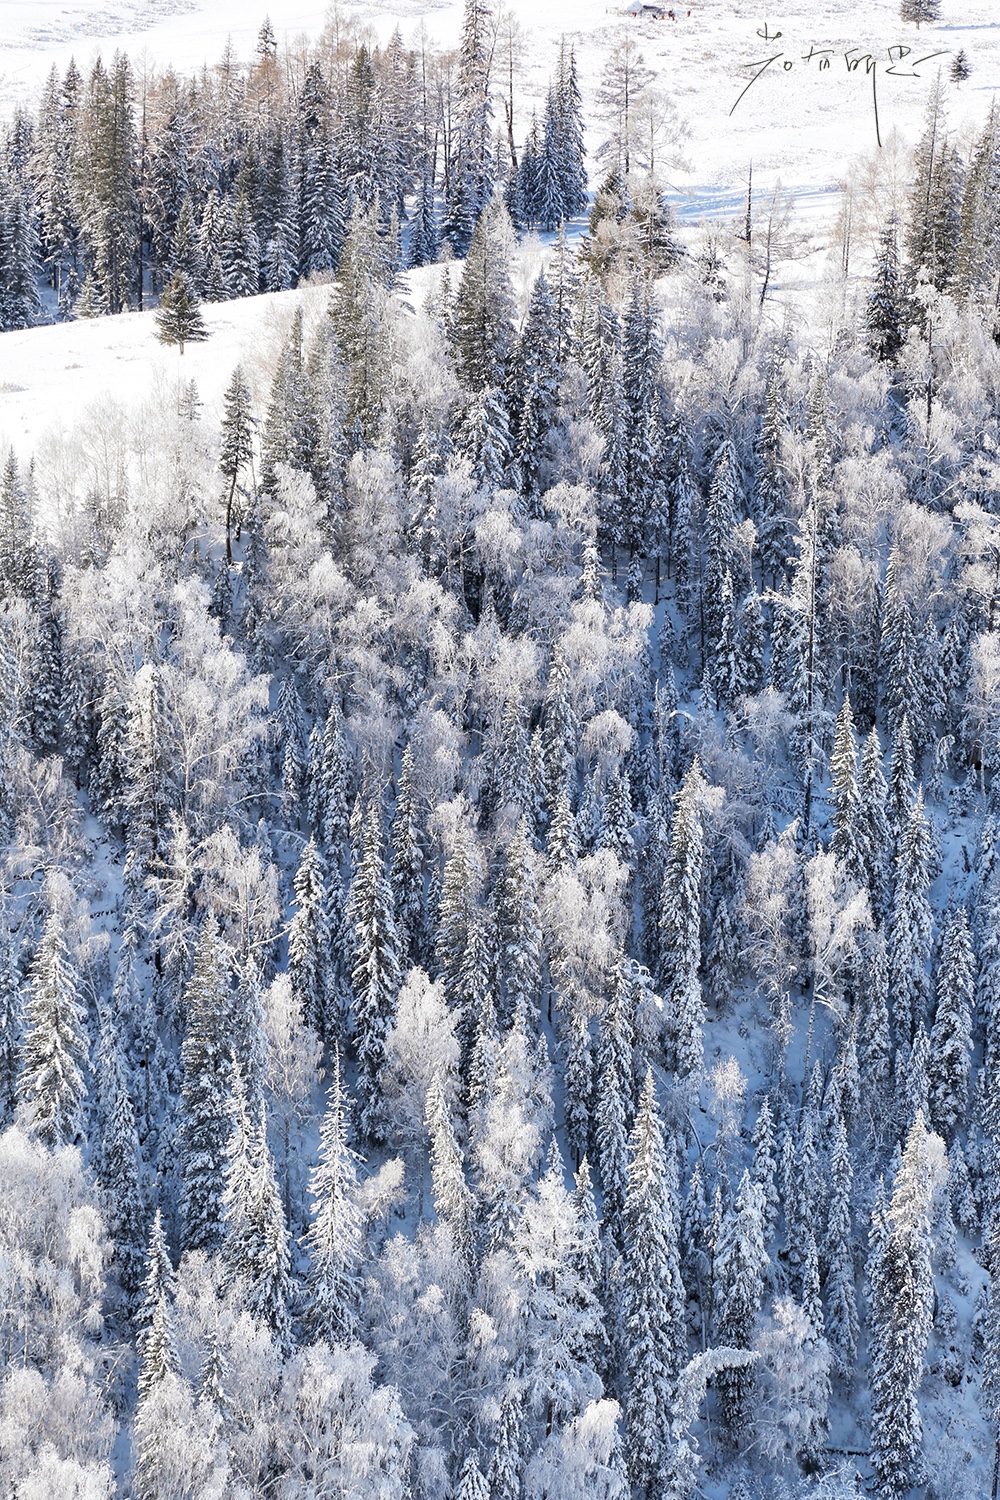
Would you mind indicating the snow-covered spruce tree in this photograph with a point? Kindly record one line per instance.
(309, 941)
(764, 1166)
(472, 1484)
(588, 1262)
(122, 1175)
(950, 1052)
(990, 1331)
(207, 1062)
(507, 1463)
(158, 1357)
(334, 1239)
(407, 862)
(237, 447)
(453, 1201)
(841, 1317)
(51, 1086)
(10, 1026)
(519, 933)
(330, 785)
(470, 177)
(885, 313)
(873, 835)
(932, 224)
(375, 973)
(159, 1280)
(482, 323)
(561, 1314)
(571, 151)
(536, 388)
(910, 925)
(680, 932)
(178, 320)
(739, 1274)
(900, 1299)
(560, 728)
(920, 12)
(902, 786)
(845, 796)
(256, 1246)
(614, 1100)
(653, 1326)
(977, 263)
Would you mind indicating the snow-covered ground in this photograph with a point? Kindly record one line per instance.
(51, 377)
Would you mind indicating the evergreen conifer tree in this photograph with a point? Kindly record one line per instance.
(334, 1238)
(470, 177)
(910, 925)
(872, 823)
(901, 1297)
(309, 940)
(51, 1086)
(10, 1027)
(680, 931)
(178, 320)
(886, 310)
(841, 1295)
(519, 933)
(237, 443)
(614, 1100)
(375, 971)
(739, 1274)
(845, 796)
(950, 1050)
(121, 1170)
(652, 1297)
(206, 1059)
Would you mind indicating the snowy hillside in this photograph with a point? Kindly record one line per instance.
(53, 376)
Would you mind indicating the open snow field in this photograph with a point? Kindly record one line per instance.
(51, 377)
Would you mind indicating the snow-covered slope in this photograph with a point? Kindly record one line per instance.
(52, 376)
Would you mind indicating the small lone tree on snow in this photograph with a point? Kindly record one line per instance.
(178, 319)
(920, 11)
(960, 69)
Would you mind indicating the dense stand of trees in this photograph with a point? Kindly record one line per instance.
(244, 179)
(499, 975)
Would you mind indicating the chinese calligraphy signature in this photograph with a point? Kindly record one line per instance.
(899, 63)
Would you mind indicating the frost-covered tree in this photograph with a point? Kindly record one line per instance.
(375, 971)
(910, 925)
(950, 1050)
(51, 1085)
(739, 1277)
(561, 1313)
(680, 931)
(653, 1327)
(901, 1295)
(334, 1239)
(207, 1062)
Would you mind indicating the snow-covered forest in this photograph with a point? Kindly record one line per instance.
(500, 855)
